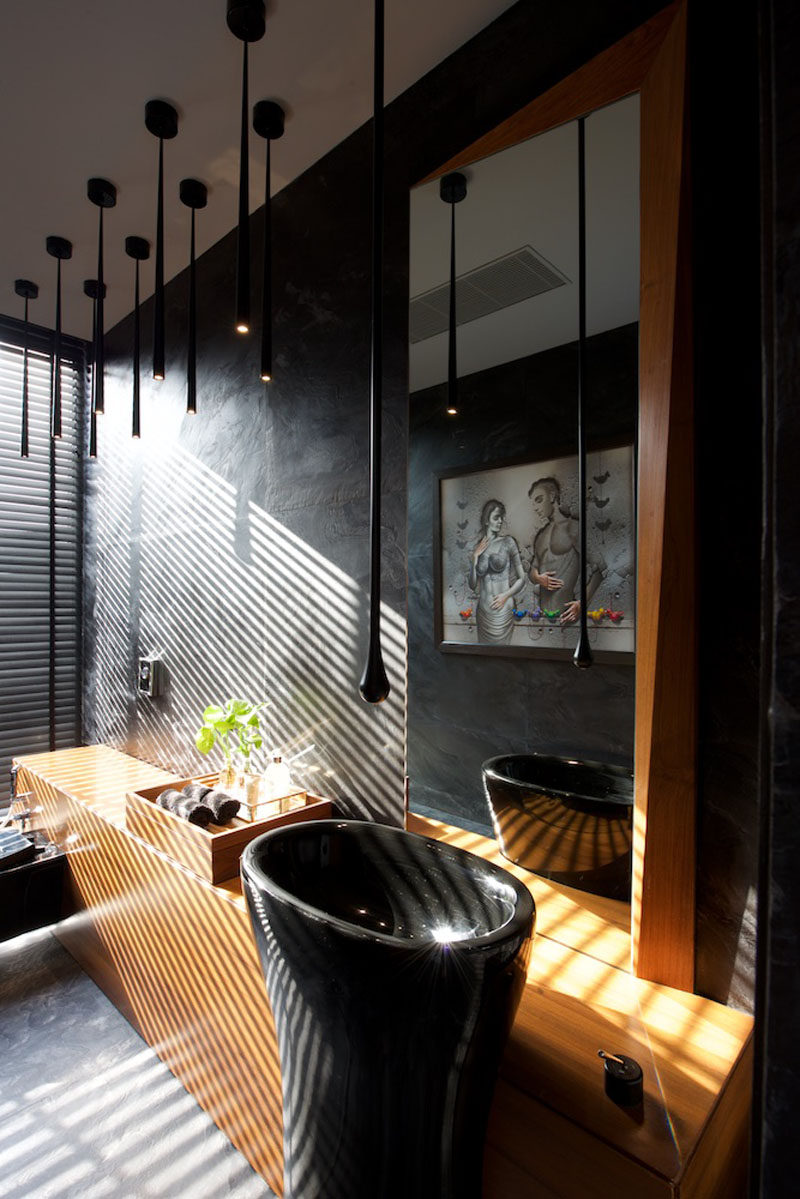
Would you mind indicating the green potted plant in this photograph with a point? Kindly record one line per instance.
(235, 728)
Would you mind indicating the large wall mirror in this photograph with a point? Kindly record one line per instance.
(482, 684)
(478, 689)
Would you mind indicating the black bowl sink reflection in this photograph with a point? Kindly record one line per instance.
(566, 820)
(394, 965)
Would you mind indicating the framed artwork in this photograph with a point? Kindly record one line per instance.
(507, 557)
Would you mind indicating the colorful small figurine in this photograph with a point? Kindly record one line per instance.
(465, 613)
(536, 614)
(552, 613)
(597, 615)
(519, 613)
(615, 616)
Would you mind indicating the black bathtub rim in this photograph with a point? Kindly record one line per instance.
(518, 927)
(491, 769)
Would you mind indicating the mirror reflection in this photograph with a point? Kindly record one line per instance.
(493, 497)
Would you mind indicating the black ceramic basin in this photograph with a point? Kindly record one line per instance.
(566, 820)
(394, 965)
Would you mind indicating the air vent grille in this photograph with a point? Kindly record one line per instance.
(498, 284)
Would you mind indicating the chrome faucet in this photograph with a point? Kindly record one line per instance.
(24, 796)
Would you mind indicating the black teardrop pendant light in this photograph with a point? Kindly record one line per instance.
(268, 122)
(161, 119)
(374, 685)
(194, 195)
(452, 190)
(104, 195)
(137, 248)
(247, 21)
(28, 291)
(60, 249)
(583, 653)
(92, 289)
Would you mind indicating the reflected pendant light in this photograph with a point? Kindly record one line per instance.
(268, 121)
(138, 249)
(194, 195)
(247, 21)
(104, 195)
(60, 249)
(161, 119)
(93, 291)
(583, 653)
(452, 190)
(374, 685)
(28, 291)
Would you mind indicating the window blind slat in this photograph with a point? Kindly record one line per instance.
(25, 547)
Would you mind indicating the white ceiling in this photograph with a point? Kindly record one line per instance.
(74, 79)
(528, 195)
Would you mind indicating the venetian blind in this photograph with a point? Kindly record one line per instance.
(33, 491)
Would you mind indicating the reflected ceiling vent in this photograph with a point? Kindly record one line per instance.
(499, 284)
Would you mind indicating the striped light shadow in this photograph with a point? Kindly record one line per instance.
(174, 946)
(238, 604)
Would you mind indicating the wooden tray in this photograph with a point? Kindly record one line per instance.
(212, 853)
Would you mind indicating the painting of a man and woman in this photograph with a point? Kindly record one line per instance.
(507, 565)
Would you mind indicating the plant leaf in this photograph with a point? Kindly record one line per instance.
(239, 707)
(204, 739)
(213, 713)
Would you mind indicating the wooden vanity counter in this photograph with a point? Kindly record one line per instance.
(176, 955)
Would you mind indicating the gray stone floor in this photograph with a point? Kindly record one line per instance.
(87, 1110)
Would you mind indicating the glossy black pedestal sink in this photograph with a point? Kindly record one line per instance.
(394, 965)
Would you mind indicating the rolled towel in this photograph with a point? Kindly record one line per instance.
(188, 809)
(223, 806)
(196, 791)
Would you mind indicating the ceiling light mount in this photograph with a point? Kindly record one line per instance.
(161, 119)
(269, 119)
(247, 19)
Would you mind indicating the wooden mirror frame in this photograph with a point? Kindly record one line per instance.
(652, 62)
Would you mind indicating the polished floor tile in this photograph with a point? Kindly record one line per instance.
(87, 1110)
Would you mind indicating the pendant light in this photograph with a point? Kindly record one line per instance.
(268, 122)
(28, 291)
(138, 249)
(60, 249)
(194, 195)
(583, 654)
(374, 685)
(247, 21)
(92, 289)
(161, 119)
(104, 195)
(452, 190)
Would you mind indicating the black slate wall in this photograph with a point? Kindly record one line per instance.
(237, 540)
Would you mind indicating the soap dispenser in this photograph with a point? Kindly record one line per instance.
(278, 779)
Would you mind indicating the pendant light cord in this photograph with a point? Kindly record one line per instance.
(158, 319)
(243, 245)
(374, 686)
(452, 364)
(55, 404)
(583, 654)
(99, 346)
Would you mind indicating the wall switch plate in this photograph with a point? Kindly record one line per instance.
(150, 676)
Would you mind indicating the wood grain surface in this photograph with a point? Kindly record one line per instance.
(176, 954)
